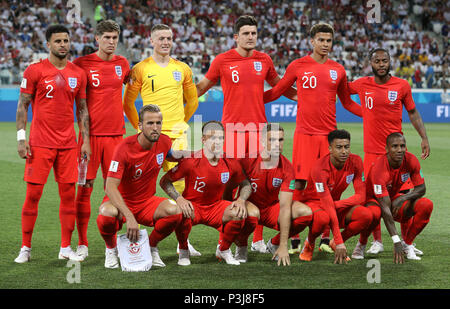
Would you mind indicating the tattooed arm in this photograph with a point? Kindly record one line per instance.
(186, 206)
(23, 148)
(83, 125)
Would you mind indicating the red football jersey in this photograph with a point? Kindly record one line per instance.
(267, 183)
(382, 107)
(54, 92)
(204, 183)
(242, 80)
(383, 180)
(317, 86)
(327, 184)
(138, 168)
(104, 93)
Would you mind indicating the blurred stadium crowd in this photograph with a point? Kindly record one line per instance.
(414, 31)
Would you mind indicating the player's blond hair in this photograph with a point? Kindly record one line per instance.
(150, 108)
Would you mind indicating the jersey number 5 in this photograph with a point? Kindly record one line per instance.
(95, 80)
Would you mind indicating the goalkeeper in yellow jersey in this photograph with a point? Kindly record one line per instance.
(168, 83)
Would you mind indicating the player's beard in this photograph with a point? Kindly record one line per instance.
(375, 72)
(151, 137)
(60, 56)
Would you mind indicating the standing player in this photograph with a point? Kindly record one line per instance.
(168, 83)
(242, 72)
(272, 180)
(131, 186)
(385, 180)
(106, 74)
(51, 86)
(330, 177)
(206, 176)
(319, 79)
(383, 97)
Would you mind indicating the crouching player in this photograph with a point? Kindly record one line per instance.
(329, 178)
(273, 183)
(206, 176)
(386, 177)
(131, 186)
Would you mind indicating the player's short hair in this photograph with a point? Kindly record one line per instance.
(321, 27)
(373, 51)
(391, 136)
(158, 27)
(151, 108)
(338, 134)
(244, 20)
(269, 127)
(212, 125)
(108, 25)
(55, 29)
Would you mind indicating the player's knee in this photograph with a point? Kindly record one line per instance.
(252, 210)
(108, 210)
(67, 193)
(321, 218)
(34, 193)
(300, 210)
(363, 215)
(424, 206)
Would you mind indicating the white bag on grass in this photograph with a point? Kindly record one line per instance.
(134, 256)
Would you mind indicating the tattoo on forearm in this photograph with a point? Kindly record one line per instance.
(84, 118)
(22, 110)
(168, 187)
(246, 190)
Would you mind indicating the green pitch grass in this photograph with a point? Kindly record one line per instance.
(46, 271)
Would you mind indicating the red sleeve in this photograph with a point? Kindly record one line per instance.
(82, 92)
(118, 162)
(407, 100)
(379, 177)
(353, 87)
(178, 171)
(288, 79)
(127, 73)
(29, 80)
(288, 184)
(272, 73)
(416, 173)
(213, 73)
(344, 95)
(237, 174)
(320, 178)
(358, 185)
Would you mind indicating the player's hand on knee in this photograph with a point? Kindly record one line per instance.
(340, 255)
(186, 207)
(241, 209)
(399, 255)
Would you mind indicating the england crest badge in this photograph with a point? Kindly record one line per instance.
(224, 177)
(405, 177)
(160, 158)
(333, 74)
(392, 95)
(258, 66)
(276, 182)
(72, 82)
(177, 75)
(349, 178)
(118, 69)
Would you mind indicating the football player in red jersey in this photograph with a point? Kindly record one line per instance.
(51, 86)
(131, 186)
(383, 97)
(318, 79)
(106, 73)
(206, 176)
(242, 72)
(330, 177)
(384, 184)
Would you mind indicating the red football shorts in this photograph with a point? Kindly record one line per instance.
(306, 150)
(210, 215)
(102, 149)
(144, 212)
(268, 216)
(63, 161)
(240, 144)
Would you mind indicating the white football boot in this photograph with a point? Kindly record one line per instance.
(24, 255)
(111, 258)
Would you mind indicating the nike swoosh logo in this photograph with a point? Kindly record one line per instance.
(368, 93)
(308, 73)
(47, 81)
(231, 68)
(93, 71)
(150, 76)
(137, 165)
(253, 179)
(200, 177)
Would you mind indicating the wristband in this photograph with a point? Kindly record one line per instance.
(395, 239)
(21, 135)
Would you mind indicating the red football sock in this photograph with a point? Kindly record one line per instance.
(163, 227)
(377, 233)
(422, 213)
(258, 233)
(67, 212)
(405, 227)
(250, 225)
(83, 206)
(326, 233)
(108, 227)
(230, 231)
(319, 222)
(182, 232)
(376, 217)
(360, 220)
(297, 226)
(30, 212)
